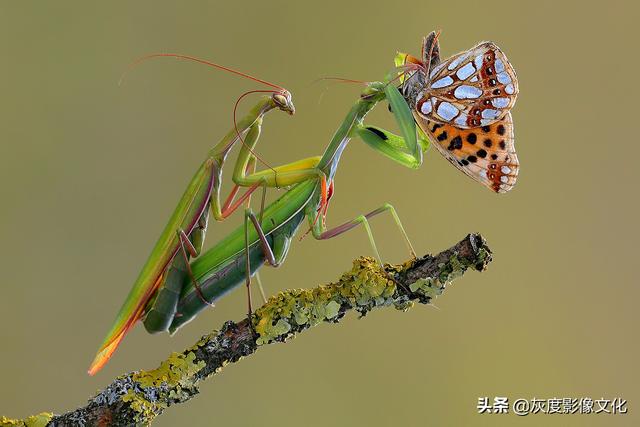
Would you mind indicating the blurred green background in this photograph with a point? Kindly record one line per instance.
(90, 172)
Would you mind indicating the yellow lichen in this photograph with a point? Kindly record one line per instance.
(177, 372)
(146, 410)
(176, 369)
(366, 285)
(39, 420)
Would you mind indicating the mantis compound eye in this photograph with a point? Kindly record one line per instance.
(283, 102)
(280, 99)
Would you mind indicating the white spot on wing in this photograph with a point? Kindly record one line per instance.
(499, 65)
(465, 71)
(467, 92)
(483, 174)
(504, 179)
(505, 169)
(447, 111)
(461, 120)
(504, 78)
(454, 64)
(443, 82)
(478, 61)
(500, 102)
(426, 107)
(474, 79)
(509, 89)
(489, 113)
(436, 69)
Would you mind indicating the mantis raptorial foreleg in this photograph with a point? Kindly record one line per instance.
(393, 146)
(274, 177)
(278, 176)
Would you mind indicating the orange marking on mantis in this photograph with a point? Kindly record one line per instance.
(326, 191)
(107, 350)
(326, 206)
(323, 199)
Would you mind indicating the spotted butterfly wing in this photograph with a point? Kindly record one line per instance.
(474, 88)
(486, 154)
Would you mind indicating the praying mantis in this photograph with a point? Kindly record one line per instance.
(171, 290)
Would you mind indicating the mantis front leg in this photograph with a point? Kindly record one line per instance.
(407, 149)
(244, 174)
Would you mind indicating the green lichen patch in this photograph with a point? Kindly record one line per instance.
(39, 420)
(362, 288)
(428, 288)
(483, 258)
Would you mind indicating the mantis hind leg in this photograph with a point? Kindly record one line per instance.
(260, 287)
(162, 308)
(187, 246)
(364, 220)
(274, 253)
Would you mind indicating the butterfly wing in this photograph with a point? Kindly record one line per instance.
(474, 88)
(486, 154)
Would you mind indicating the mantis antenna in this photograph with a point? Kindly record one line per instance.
(277, 89)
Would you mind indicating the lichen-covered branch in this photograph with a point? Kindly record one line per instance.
(138, 397)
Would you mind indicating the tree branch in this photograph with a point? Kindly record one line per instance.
(140, 396)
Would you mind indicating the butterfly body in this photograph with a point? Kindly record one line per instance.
(463, 104)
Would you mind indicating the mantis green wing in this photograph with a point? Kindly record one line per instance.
(185, 217)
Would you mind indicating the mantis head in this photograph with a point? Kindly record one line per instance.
(282, 100)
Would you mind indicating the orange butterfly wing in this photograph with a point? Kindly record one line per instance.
(487, 154)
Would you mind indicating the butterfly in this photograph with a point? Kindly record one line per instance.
(463, 104)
